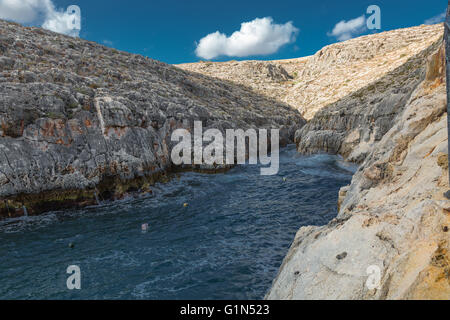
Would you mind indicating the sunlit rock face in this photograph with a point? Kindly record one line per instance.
(353, 125)
(379, 101)
(330, 75)
(79, 119)
(390, 239)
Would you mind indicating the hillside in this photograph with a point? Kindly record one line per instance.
(311, 83)
(80, 119)
(393, 216)
(380, 101)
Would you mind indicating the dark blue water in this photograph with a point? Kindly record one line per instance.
(227, 244)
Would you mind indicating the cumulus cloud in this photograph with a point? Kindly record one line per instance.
(436, 19)
(23, 11)
(345, 30)
(61, 22)
(258, 37)
(41, 12)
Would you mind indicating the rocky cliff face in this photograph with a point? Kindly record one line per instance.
(380, 101)
(79, 119)
(269, 78)
(353, 125)
(393, 218)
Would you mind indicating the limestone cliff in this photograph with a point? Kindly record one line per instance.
(393, 216)
(79, 119)
(353, 125)
(380, 101)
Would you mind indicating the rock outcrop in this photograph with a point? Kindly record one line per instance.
(352, 126)
(380, 101)
(390, 239)
(269, 78)
(80, 120)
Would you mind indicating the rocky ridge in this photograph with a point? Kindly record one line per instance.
(332, 73)
(353, 125)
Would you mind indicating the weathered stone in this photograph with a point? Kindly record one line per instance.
(76, 117)
(352, 126)
(442, 161)
(97, 122)
(392, 214)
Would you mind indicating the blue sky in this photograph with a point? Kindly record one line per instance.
(169, 30)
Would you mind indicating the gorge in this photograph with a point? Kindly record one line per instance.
(80, 121)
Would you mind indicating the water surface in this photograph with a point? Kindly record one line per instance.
(227, 244)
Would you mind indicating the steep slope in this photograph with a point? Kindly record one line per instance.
(332, 73)
(393, 217)
(79, 119)
(353, 125)
(270, 78)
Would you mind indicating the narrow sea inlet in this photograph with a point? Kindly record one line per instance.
(227, 243)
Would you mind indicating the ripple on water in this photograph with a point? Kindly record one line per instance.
(227, 244)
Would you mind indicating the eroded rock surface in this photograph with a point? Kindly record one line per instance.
(393, 217)
(352, 126)
(78, 118)
(379, 101)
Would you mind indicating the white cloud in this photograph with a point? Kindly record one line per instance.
(258, 37)
(436, 19)
(38, 12)
(23, 11)
(345, 30)
(59, 21)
